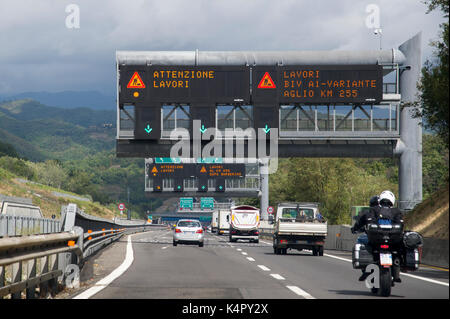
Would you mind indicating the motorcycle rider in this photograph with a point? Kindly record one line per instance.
(385, 208)
(360, 222)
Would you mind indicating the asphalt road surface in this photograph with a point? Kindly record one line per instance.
(154, 268)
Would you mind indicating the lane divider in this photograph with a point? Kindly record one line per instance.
(264, 268)
(250, 258)
(277, 276)
(300, 292)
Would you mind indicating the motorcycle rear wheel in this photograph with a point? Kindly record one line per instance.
(385, 282)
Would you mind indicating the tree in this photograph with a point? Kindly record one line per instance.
(433, 88)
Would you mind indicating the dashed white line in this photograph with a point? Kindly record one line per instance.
(250, 258)
(300, 292)
(277, 276)
(164, 247)
(244, 253)
(264, 268)
(238, 249)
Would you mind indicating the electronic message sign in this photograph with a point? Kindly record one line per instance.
(318, 84)
(221, 170)
(152, 84)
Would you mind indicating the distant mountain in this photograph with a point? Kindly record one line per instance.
(68, 99)
(41, 132)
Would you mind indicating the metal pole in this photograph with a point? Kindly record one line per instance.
(264, 175)
(410, 166)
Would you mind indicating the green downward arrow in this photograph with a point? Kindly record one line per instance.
(203, 129)
(148, 129)
(266, 129)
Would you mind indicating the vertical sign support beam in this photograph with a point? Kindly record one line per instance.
(410, 170)
(264, 169)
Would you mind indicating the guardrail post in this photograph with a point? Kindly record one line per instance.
(53, 265)
(31, 273)
(2, 278)
(65, 259)
(16, 276)
(43, 287)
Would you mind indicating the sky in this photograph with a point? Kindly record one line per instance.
(39, 52)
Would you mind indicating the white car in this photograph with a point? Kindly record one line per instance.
(188, 231)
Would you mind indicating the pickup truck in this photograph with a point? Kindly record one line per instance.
(298, 226)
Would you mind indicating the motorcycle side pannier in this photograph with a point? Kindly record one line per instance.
(411, 259)
(412, 239)
(361, 257)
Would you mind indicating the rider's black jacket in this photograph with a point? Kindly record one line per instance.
(392, 213)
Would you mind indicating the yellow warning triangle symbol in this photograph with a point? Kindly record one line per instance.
(154, 170)
(136, 82)
(266, 82)
(203, 169)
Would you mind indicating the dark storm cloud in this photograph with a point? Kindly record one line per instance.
(38, 52)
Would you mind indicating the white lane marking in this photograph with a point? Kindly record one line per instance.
(402, 273)
(238, 249)
(164, 247)
(250, 258)
(244, 253)
(426, 279)
(264, 268)
(277, 276)
(300, 292)
(265, 242)
(336, 257)
(103, 283)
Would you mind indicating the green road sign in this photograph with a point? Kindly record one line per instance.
(167, 160)
(186, 202)
(210, 160)
(207, 202)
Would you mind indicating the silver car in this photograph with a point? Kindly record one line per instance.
(188, 231)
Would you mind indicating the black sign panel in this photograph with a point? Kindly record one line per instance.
(186, 170)
(318, 84)
(184, 84)
(170, 170)
(221, 170)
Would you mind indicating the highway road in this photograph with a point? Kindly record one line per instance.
(149, 266)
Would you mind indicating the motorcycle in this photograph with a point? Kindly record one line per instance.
(387, 249)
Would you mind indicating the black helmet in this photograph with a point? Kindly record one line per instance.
(374, 201)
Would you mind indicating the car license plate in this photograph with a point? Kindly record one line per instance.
(385, 259)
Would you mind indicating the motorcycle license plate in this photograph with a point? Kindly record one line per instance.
(386, 259)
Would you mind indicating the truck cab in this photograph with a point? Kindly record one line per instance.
(299, 226)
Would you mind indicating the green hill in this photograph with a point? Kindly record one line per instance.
(41, 132)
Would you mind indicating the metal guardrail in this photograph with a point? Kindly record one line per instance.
(76, 237)
(27, 252)
(21, 226)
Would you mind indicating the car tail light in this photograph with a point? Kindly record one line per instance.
(283, 241)
(256, 232)
(234, 232)
(199, 231)
(384, 246)
(177, 230)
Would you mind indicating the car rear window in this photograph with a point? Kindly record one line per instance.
(188, 224)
